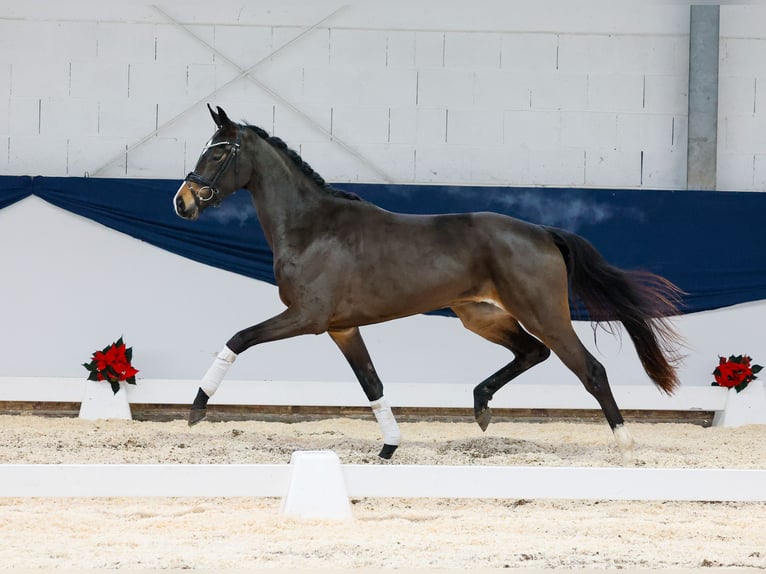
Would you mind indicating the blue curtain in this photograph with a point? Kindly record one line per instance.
(708, 243)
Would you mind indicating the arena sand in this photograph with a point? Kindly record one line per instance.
(244, 534)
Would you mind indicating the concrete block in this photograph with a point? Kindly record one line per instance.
(86, 154)
(557, 167)
(474, 127)
(23, 116)
(501, 90)
(395, 160)
(286, 81)
(351, 86)
(759, 171)
(358, 48)
(472, 50)
(37, 155)
(743, 133)
(530, 52)
(558, 91)
(402, 124)
(153, 81)
(587, 53)
(361, 124)
(607, 167)
(244, 45)
(760, 95)
(51, 40)
(159, 157)
(41, 80)
(442, 164)
(67, 116)
(742, 21)
(200, 80)
(175, 46)
(644, 131)
(532, 129)
(429, 49)
(98, 80)
(502, 165)
(430, 125)
(4, 153)
(652, 54)
(126, 42)
(400, 49)
(742, 56)
(735, 171)
(331, 161)
(737, 94)
(5, 80)
(445, 88)
(296, 130)
(591, 130)
(130, 118)
(667, 94)
(615, 92)
(665, 169)
(310, 50)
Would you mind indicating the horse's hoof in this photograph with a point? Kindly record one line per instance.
(196, 415)
(483, 418)
(387, 451)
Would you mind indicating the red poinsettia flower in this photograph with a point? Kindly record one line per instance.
(113, 364)
(736, 372)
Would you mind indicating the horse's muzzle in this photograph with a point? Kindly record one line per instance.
(184, 203)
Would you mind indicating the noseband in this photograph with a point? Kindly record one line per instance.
(213, 195)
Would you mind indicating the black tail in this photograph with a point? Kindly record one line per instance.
(640, 300)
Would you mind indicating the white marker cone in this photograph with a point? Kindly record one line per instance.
(316, 488)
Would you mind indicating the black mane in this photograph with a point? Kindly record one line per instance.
(301, 164)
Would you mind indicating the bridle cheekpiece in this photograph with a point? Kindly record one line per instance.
(213, 195)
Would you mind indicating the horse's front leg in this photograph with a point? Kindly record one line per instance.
(352, 346)
(289, 323)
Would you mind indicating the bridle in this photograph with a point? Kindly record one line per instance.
(213, 195)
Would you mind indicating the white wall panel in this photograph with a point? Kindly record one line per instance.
(612, 168)
(667, 93)
(65, 116)
(501, 90)
(481, 128)
(424, 61)
(472, 51)
(615, 92)
(535, 52)
(362, 124)
(26, 152)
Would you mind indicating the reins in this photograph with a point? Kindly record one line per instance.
(211, 185)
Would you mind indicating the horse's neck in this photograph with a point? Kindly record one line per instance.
(283, 197)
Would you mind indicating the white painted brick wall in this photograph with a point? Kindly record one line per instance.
(444, 91)
(742, 98)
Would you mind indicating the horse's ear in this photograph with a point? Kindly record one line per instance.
(216, 117)
(224, 119)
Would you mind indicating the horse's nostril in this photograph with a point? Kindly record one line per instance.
(179, 204)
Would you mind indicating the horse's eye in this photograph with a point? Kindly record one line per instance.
(217, 155)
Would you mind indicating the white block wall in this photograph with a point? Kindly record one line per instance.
(742, 98)
(517, 93)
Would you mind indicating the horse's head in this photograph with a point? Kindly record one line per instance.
(217, 173)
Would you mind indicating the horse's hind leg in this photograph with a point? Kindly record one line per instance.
(352, 346)
(496, 325)
(568, 347)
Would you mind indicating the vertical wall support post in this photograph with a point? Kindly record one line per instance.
(703, 97)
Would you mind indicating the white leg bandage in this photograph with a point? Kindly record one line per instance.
(625, 443)
(217, 371)
(382, 411)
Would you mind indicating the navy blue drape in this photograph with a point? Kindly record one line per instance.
(708, 243)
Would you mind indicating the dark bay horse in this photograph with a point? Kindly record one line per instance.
(341, 262)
